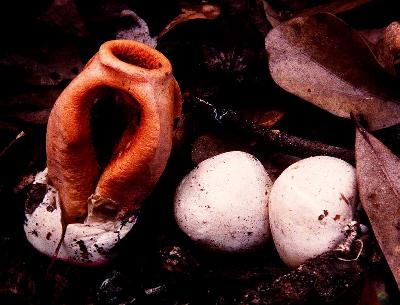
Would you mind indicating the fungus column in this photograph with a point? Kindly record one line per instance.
(94, 201)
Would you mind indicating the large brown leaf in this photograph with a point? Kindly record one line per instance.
(307, 8)
(322, 60)
(378, 176)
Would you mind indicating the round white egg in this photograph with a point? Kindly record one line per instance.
(222, 204)
(310, 205)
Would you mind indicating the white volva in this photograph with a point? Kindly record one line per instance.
(84, 243)
(310, 204)
(222, 203)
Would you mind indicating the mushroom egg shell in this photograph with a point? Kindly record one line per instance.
(310, 205)
(222, 204)
(84, 244)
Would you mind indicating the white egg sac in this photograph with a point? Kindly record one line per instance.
(222, 204)
(310, 205)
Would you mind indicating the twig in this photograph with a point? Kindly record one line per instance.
(4, 151)
(289, 143)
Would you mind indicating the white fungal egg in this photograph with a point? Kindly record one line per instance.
(310, 205)
(84, 243)
(222, 204)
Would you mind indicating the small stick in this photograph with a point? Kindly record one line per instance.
(290, 143)
(5, 150)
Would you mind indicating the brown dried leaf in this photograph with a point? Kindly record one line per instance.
(204, 11)
(38, 97)
(368, 295)
(45, 64)
(388, 48)
(302, 8)
(31, 117)
(372, 37)
(263, 118)
(379, 188)
(322, 60)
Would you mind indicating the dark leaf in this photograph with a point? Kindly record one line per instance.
(30, 117)
(267, 118)
(204, 11)
(45, 64)
(379, 187)
(135, 28)
(388, 48)
(372, 36)
(322, 60)
(369, 294)
(302, 8)
(40, 97)
(25, 108)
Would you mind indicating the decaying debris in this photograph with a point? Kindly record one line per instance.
(322, 279)
(178, 260)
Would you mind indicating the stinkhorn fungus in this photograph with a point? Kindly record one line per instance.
(96, 205)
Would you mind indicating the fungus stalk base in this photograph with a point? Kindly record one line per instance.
(84, 243)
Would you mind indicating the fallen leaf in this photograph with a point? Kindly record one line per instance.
(135, 28)
(368, 295)
(302, 8)
(44, 64)
(204, 11)
(322, 60)
(388, 48)
(26, 108)
(264, 118)
(373, 36)
(379, 189)
(39, 97)
(29, 117)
